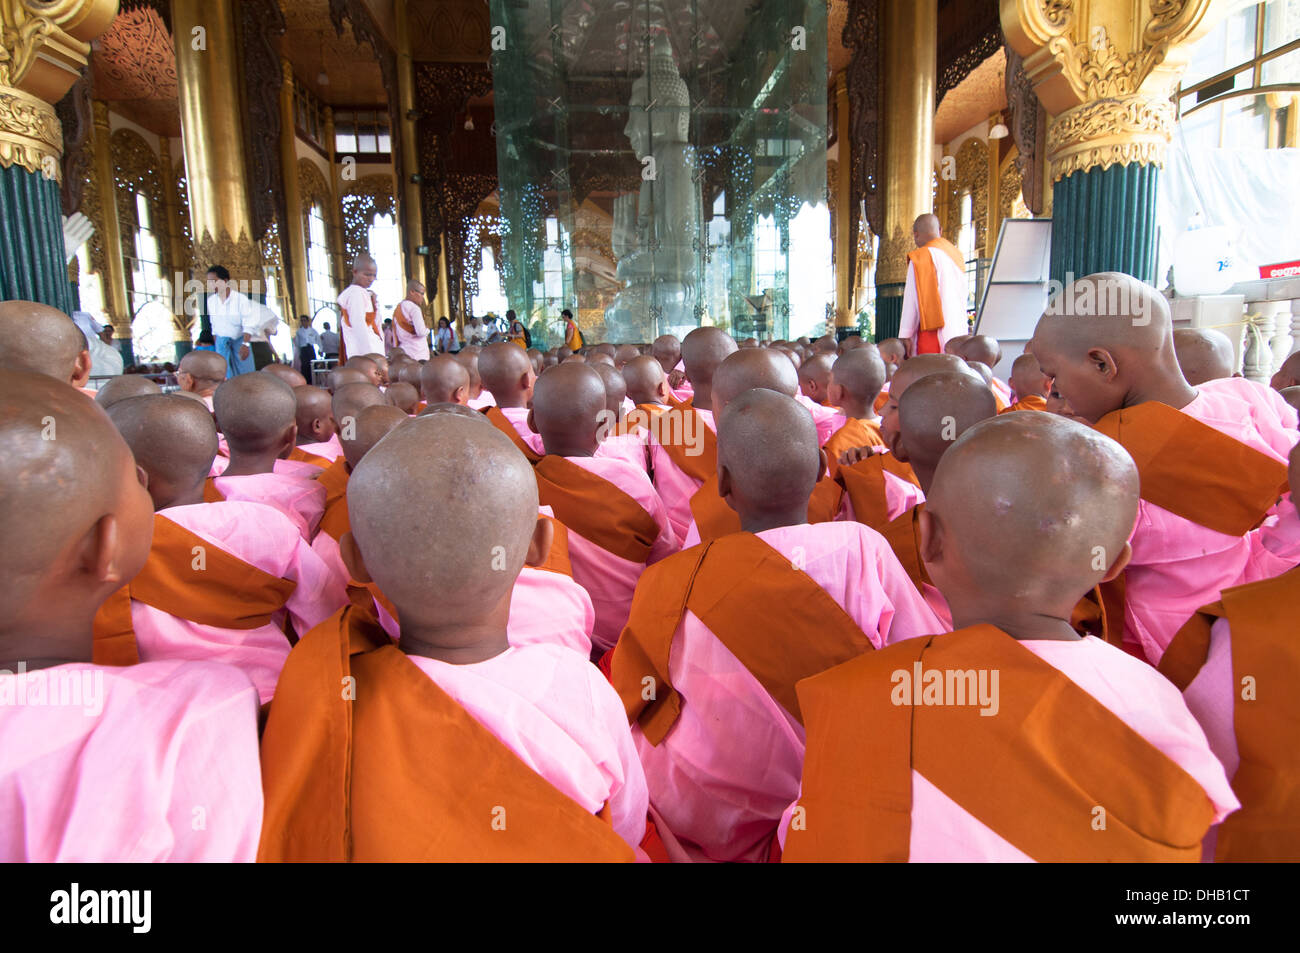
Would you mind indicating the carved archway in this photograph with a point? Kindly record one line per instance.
(361, 202)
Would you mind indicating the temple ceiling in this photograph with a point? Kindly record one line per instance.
(134, 68)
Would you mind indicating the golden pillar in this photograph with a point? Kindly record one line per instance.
(844, 312)
(408, 195)
(212, 134)
(110, 228)
(293, 236)
(181, 320)
(342, 267)
(44, 46)
(911, 67)
(443, 299)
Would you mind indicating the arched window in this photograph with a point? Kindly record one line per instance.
(386, 250)
(320, 280)
(489, 299)
(152, 332)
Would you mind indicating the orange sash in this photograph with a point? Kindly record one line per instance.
(1267, 725)
(335, 480)
(1035, 773)
(595, 509)
(698, 466)
(376, 770)
(210, 492)
(864, 482)
(714, 517)
(854, 433)
(1032, 402)
(1194, 471)
(189, 578)
(502, 423)
(780, 624)
(926, 279)
(302, 456)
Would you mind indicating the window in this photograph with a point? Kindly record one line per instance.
(490, 299)
(152, 338)
(320, 275)
(386, 249)
(1240, 83)
(362, 133)
(307, 114)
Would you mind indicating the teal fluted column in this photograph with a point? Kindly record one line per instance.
(1105, 220)
(32, 262)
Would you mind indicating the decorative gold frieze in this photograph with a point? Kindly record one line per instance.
(1109, 132)
(891, 268)
(240, 257)
(30, 134)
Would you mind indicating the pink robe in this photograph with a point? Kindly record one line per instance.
(267, 539)
(609, 579)
(484, 399)
(163, 766)
(1179, 566)
(629, 447)
(676, 488)
(732, 762)
(330, 449)
(943, 831)
(1003, 391)
(556, 711)
(1211, 699)
(518, 417)
(300, 499)
(1267, 408)
(823, 417)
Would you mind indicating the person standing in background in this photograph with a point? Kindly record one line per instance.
(445, 340)
(259, 339)
(233, 322)
(329, 343)
(306, 341)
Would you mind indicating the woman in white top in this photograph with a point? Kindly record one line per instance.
(445, 340)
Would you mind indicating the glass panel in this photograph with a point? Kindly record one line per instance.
(1284, 69)
(366, 142)
(1201, 130)
(1281, 23)
(386, 249)
(662, 165)
(345, 137)
(1230, 43)
(1245, 123)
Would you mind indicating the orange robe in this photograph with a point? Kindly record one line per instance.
(714, 517)
(1035, 773)
(1265, 711)
(855, 433)
(928, 303)
(1031, 402)
(376, 771)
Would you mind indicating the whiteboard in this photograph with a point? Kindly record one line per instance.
(1016, 292)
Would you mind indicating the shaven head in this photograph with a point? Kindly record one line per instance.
(256, 412)
(1107, 341)
(702, 351)
(792, 352)
(815, 376)
(768, 458)
(1027, 378)
(507, 372)
(77, 520)
(373, 423)
(956, 344)
(646, 381)
(285, 373)
(314, 414)
(123, 388)
(409, 508)
(1204, 354)
(750, 368)
(925, 228)
(625, 353)
(403, 396)
(934, 412)
(42, 340)
(893, 351)
(409, 373)
(468, 357)
(856, 378)
(368, 365)
(1288, 375)
(537, 359)
(600, 357)
(568, 405)
(615, 388)
(445, 380)
(201, 372)
(983, 348)
(667, 350)
(173, 440)
(342, 376)
(826, 344)
(350, 400)
(1032, 545)
(912, 370)
(983, 370)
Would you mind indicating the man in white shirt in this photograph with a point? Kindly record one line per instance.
(329, 343)
(233, 322)
(360, 307)
(306, 340)
(408, 319)
(934, 299)
(267, 321)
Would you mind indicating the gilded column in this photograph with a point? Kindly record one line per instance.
(114, 277)
(911, 66)
(342, 268)
(212, 134)
(844, 313)
(43, 49)
(176, 246)
(442, 301)
(408, 195)
(293, 237)
(1104, 74)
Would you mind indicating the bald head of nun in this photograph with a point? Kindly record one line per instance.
(768, 459)
(42, 340)
(750, 368)
(285, 373)
(257, 414)
(126, 386)
(314, 414)
(569, 407)
(646, 381)
(934, 412)
(445, 380)
(1204, 354)
(373, 423)
(174, 442)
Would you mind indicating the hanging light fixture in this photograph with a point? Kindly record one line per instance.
(999, 130)
(469, 121)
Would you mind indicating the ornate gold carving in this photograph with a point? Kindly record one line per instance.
(973, 179)
(891, 269)
(1009, 188)
(361, 202)
(30, 134)
(135, 170)
(1109, 132)
(44, 44)
(240, 257)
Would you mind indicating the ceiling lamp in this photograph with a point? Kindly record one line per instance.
(999, 130)
(469, 123)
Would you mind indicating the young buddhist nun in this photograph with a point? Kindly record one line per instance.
(1011, 738)
(1031, 386)
(286, 374)
(200, 373)
(223, 578)
(404, 397)
(508, 374)
(893, 352)
(723, 632)
(1237, 662)
(669, 352)
(408, 322)
(102, 764)
(359, 307)
(1106, 342)
(258, 415)
(124, 388)
(617, 523)
(647, 384)
(955, 344)
(600, 357)
(814, 379)
(684, 454)
(985, 349)
(444, 380)
(986, 374)
(540, 732)
(618, 438)
(1207, 360)
(480, 396)
(43, 340)
(855, 382)
(317, 440)
(624, 354)
(368, 365)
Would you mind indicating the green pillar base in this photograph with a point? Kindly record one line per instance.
(1105, 220)
(32, 262)
(889, 311)
(128, 351)
(183, 348)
